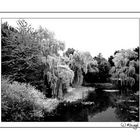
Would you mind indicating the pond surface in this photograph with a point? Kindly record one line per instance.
(99, 106)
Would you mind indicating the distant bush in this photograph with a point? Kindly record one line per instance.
(22, 102)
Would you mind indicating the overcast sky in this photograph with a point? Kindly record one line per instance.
(94, 35)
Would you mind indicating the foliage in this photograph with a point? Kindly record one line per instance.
(103, 67)
(66, 74)
(110, 60)
(20, 54)
(126, 69)
(81, 63)
(59, 76)
(137, 51)
(70, 51)
(22, 102)
(31, 56)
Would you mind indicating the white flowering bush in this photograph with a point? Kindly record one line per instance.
(22, 102)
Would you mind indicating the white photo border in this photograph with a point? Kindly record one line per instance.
(69, 15)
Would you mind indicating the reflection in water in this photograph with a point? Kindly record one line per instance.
(104, 116)
(128, 107)
(107, 107)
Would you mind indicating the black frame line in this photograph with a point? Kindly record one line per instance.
(111, 12)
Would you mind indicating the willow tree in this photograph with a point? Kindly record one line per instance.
(126, 69)
(65, 78)
(50, 58)
(80, 63)
(57, 74)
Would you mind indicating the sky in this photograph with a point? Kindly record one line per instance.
(94, 35)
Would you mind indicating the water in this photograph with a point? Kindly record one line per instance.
(100, 106)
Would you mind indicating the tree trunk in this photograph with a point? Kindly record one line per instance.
(46, 87)
(60, 91)
(78, 78)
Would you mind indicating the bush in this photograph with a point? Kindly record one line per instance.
(22, 102)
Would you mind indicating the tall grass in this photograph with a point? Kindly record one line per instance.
(22, 102)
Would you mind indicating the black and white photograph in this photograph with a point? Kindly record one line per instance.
(70, 70)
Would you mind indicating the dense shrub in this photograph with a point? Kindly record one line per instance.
(22, 102)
